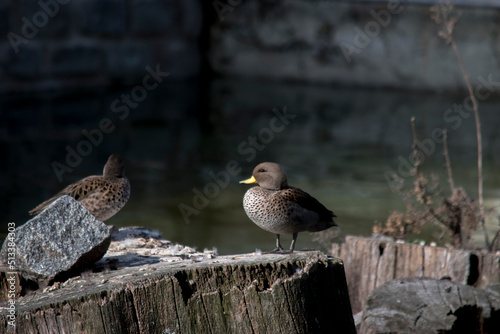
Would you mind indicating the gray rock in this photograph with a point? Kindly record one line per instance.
(60, 242)
(419, 305)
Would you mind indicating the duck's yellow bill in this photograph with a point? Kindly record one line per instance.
(250, 180)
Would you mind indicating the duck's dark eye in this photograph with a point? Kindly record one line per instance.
(262, 170)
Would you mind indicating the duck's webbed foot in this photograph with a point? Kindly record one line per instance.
(278, 248)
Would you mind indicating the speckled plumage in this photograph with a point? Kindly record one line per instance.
(280, 209)
(103, 195)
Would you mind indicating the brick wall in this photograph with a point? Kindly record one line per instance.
(53, 44)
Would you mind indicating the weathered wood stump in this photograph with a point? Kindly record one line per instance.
(303, 292)
(428, 306)
(371, 262)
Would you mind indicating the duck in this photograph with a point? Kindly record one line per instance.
(278, 208)
(103, 195)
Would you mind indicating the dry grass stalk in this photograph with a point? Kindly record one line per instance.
(455, 214)
(446, 16)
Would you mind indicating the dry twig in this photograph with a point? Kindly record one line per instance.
(447, 16)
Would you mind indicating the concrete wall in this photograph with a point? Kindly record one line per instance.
(370, 43)
(53, 44)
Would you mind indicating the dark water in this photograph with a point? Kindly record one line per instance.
(336, 143)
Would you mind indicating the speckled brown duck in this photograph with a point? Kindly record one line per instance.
(103, 195)
(280, 209)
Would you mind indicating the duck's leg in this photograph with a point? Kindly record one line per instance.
(292, 245)
(278, 244)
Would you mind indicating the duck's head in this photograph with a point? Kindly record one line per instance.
(268, 175)
(114, 167)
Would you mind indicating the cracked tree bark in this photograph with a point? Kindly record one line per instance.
(303, 292)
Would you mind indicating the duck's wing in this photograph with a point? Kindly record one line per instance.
(307, 202)
(78, 190)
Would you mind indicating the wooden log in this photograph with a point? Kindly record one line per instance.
(302, 292)
(370, 262)
(488, 269)
(427, 306)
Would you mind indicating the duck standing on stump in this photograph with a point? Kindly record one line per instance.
(278, 208)
(103, 195)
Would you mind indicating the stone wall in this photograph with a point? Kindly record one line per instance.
(369, 43)
(51, 44)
